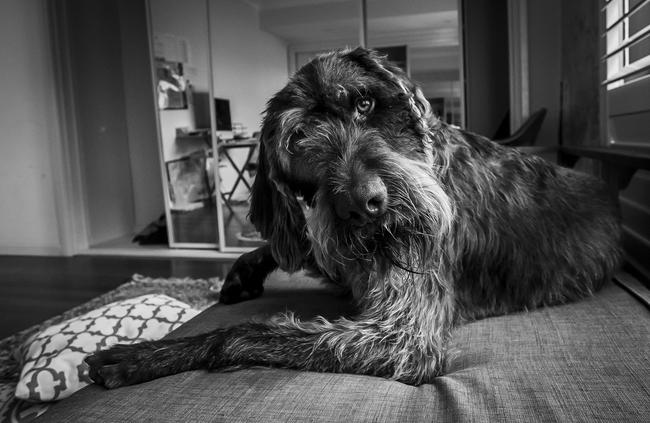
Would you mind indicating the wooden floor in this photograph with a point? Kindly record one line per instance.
(33, 289)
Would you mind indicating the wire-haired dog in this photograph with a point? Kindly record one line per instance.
(428, 225)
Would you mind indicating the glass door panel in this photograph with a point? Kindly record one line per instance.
(180, 50)
(256, 45)
(422, 37)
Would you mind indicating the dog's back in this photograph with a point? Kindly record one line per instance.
(533, 233)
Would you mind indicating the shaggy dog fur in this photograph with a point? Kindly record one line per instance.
(428, 225)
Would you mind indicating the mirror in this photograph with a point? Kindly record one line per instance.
(182, 80)
(219, 61)
(422, 37)
(250, 42)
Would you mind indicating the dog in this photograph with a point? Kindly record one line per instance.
(428, 225)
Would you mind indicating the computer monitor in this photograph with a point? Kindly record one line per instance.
(201, 102)
(222, 114)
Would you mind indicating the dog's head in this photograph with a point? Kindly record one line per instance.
(351, 135)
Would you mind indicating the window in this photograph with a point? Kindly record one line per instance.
(626, 66)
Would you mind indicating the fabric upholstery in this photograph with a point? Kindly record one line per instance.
(586, 361)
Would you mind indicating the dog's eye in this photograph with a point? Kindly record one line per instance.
(365, 105)
(296, 136)
(295, 139)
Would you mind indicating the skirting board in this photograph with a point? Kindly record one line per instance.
(161, 252)
(31, 251)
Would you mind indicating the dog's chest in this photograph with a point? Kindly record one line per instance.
(333, 258)
(348, 274)
(354, 279)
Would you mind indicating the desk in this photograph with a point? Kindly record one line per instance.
(225, 148)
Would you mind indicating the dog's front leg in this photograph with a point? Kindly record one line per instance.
(400, 351)
(245, 280)
(399, 348)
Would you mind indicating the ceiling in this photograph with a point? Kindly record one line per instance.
(428, 27)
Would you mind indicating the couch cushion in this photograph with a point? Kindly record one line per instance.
(577, 362)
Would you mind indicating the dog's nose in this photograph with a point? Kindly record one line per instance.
(371, 197)
(366, 200)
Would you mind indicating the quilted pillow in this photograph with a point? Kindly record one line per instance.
(53, 359)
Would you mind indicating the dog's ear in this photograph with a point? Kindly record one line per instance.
(385, 70)
(277, 215)
(261, 214)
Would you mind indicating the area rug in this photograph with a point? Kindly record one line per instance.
(198, 293)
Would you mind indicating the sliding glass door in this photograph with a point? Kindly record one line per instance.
(182, 79)
(216, 64)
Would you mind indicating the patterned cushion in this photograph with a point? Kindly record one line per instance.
(53, 359)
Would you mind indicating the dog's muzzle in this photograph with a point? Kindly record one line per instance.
(365, 201)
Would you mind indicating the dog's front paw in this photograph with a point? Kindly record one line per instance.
(121, 365)
(240, 286)
(245, 280)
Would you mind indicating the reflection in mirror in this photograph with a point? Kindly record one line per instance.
(422, 37)
(181, 59)
(219, 61)
(250, 41)
(315, 27)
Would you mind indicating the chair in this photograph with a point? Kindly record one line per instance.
(527, 133)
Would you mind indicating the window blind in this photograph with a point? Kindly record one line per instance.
(626, 67)
(626, 92)
(627, 41)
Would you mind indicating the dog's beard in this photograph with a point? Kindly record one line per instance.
(410, 237)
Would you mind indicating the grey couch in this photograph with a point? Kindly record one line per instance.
(586, 361)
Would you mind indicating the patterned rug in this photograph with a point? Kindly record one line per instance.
(198, 293)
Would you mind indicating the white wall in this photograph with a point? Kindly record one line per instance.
(102, 131)
(249, 64)
(148, 201)
(187, 20)
(28, 223)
